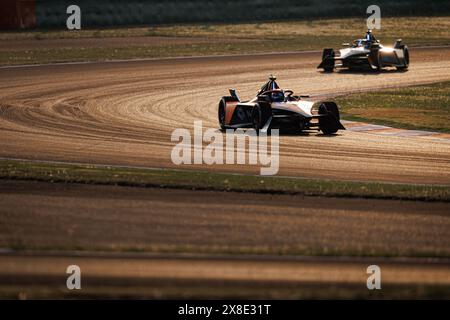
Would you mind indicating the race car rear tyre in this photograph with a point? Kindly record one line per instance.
(261, 113)
(328, 60)
(329, 124)
(221, 114)
(221, 110)
(405, 59)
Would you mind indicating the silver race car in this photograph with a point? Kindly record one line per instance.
(367, 53)
(276, 108)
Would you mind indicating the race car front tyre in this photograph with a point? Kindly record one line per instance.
(405, 59)
(379, 61)
(329, 123)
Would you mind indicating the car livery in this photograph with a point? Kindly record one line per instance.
(273, 107)
(367, 53)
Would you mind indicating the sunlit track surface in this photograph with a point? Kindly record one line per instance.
(389, 131)
(124, 113)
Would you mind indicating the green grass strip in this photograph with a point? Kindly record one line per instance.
(424, 107)
(203, 180)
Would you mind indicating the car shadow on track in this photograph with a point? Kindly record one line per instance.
(365, 72)
(296, 133)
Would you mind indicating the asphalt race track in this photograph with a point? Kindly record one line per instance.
(123, 113)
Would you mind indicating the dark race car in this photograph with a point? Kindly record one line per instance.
(273, 107)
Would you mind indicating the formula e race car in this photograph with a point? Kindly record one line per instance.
(367, 53)
(276, 108)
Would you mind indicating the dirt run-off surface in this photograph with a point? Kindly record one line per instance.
(72, 216)
(123, 113)
(198, 230)
(184, 276)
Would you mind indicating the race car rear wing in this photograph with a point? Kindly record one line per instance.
(234, 94)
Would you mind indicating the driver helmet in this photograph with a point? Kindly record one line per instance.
(277, 96)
